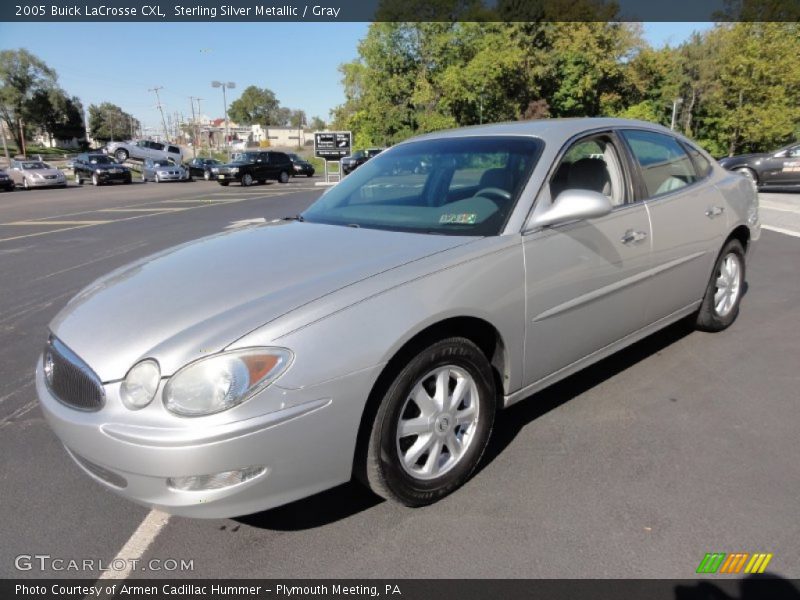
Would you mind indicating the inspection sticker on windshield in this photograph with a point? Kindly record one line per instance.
(460, 218)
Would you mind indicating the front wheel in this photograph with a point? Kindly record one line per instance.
(121, 155)
(723, 296)
(247, 180)
(207, 176)
(283, 177)
(432, 425)
(95, 179)
(78, 179)
(25, 183)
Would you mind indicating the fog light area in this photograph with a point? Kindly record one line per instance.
(216, 481)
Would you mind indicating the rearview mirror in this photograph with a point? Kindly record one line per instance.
(573, 205)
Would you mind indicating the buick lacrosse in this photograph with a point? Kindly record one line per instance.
(377, 334)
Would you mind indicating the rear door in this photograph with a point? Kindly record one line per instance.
(687, 216)
(586, 281)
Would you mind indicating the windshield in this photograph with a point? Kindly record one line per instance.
(34, 165)
(245, 157)
(455, 186)
(101, 160)
(293, 157)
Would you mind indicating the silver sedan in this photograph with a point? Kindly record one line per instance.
(35, 173)
(377, 333)
(164, 170)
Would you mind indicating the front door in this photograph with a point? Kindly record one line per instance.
(586, 280)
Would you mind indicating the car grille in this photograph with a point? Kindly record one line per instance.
(50, 176)
(70, 379)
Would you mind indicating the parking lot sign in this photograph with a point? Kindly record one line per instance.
(332, 145)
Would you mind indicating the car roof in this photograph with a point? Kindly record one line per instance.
(549, 130)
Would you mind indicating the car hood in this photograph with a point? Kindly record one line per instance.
(739, 158)
(198, 298)
(106, 166)
(52, 171)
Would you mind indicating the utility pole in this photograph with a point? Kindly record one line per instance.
(160, 108)
(675, 104)
(194, 128)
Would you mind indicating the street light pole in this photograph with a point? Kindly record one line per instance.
(225, 85)
(675, 104)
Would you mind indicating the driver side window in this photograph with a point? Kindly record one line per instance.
(591, 164)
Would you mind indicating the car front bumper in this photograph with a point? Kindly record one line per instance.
(306, 446)
(47, 182)
(172, 176)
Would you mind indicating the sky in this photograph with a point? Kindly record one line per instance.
(120, 62)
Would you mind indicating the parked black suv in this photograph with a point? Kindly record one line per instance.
(249, 167)
(100, 168)
(358, 158)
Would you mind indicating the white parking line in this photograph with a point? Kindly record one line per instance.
(782, 230)
(137, 544)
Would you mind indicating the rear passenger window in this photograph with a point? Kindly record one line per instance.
(700, 162)
(664, 163)
(173, 149)
(156, 146)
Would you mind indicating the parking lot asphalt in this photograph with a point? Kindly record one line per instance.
(683, 444)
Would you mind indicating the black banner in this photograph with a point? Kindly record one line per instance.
(763, 587)
(398, 10)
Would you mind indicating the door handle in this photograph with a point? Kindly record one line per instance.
(715, 211)
(633, 237)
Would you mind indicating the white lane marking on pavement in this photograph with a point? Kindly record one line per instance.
(40, 223)
(246, 222)
(133, 210)
(781, 206)
(138, 543)
(782, 230)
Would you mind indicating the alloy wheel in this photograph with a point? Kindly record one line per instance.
(437, 422)
(728, 285)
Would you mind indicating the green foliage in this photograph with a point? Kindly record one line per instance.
(108, 122)
(22, 76)
(256, 106)
(738, 85)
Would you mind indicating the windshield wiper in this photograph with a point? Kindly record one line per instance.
(294, 218)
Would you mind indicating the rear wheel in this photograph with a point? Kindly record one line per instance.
(720, 305)
(432, 425)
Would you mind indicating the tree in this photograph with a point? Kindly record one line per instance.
(56, 114)
(256, 106)
(316, 124)
(21, 76)
(108, 122)
(297, 119)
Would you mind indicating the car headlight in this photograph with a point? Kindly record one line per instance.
(220, 382)
(234, 169)
(140, 384)
(99, 171)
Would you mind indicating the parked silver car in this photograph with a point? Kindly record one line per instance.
(143, 149)
(164, 170)
(377, 333)
(35, 173)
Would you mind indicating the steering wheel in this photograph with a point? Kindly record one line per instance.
(494, 191)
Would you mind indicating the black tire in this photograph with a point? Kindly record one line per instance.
(309, 174)
(247, 180)
(709, 318)
(78, 179)
(283, 177)
(121, 155)
(207, 175)
(382, 469)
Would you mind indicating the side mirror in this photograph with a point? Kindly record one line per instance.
(573, 205)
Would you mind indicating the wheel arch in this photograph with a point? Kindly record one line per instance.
(741, 233)
(480, 331)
